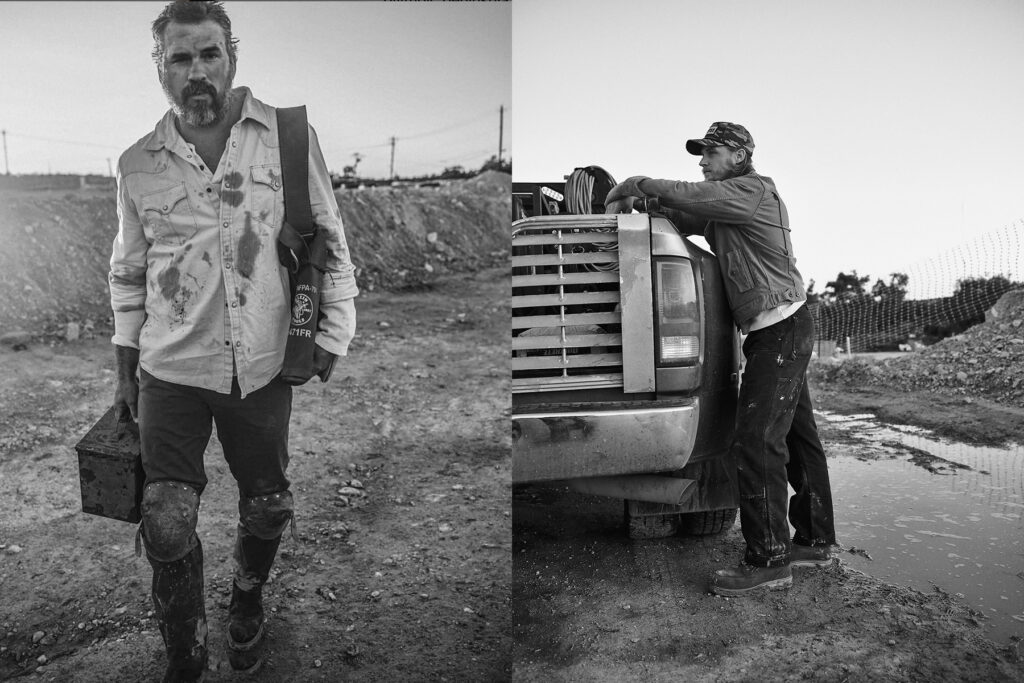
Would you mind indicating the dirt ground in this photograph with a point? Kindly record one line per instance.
(400, 470)
(591, 605)
(973, 420)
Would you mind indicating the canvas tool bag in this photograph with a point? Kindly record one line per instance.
(301, 248)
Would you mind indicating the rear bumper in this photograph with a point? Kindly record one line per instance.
(553, 445)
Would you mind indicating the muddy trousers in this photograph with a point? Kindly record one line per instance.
(777, 446)
(178, 600)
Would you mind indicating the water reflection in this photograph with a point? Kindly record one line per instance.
(958, 526)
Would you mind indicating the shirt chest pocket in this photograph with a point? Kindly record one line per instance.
(168, 216)
(266, 200)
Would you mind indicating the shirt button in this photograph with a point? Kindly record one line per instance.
(225, 224)
(227, 343)
(165, 207)
(234, 304)
(238, 343)
(209, 189)
(234, 144)
(227, 266)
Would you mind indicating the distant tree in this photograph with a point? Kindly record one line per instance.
(454, 172)
(973, 296)
(845, 288)
(492, 164)
(894, 292)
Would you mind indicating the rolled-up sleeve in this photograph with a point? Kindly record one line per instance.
(337, 327)
(127, 277)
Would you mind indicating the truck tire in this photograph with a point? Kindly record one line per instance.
(643, 522)
(707, 523)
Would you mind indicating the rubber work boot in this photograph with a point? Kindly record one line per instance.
(811, 556)
(178, 601)
(246, 620)
(745, 578)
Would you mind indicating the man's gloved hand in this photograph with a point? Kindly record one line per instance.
(126, 395)
(323, 362)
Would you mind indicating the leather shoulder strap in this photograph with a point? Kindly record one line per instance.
(293, 133)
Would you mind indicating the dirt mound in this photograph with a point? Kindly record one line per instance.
(54, 260)
(987, 360)
(405, 237)
(56, 246)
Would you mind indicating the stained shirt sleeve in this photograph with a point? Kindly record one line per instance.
(127, 277)
(338, 289)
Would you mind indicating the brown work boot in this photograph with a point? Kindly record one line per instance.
(745, 578)
(811, 556)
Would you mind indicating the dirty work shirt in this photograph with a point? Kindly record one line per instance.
(195, 282)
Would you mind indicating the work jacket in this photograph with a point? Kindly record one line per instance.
(747, 225)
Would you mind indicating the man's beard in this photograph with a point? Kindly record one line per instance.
(200, 113)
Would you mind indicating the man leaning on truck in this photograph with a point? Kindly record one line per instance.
(744, 220)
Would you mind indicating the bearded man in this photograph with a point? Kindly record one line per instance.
(776, 443)
(201, 316)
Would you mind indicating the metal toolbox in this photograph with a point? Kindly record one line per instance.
(110, 469)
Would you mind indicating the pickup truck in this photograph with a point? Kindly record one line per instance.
(625, 362)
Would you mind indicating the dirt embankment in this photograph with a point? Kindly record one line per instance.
(56, 246)
(986, 361)
(406, 237)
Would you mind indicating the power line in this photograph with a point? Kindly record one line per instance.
(64, 142)
(429, 133)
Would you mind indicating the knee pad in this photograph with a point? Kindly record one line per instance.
(170, 510)
(266, 516)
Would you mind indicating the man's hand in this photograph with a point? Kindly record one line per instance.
(630, 187)
(624, 205)
(126, 395)
(323, 363)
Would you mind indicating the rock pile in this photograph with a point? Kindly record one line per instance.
(985, 361)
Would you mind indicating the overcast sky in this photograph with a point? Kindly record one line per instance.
(893, 129)
(78, 86)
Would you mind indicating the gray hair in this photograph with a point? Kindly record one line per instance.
(186, 12)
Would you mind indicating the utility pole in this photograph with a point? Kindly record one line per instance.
(110, 169)
(501, 130)
(392, 157)
(7, 169)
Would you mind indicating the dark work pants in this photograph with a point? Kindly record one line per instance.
(176, 422)
(777, 445)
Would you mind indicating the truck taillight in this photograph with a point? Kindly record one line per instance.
(677, 325)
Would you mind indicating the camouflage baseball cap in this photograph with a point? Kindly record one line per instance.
(722, 133)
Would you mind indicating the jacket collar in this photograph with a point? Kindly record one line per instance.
(165, 133)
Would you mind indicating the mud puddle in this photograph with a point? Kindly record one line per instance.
(931, 514)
